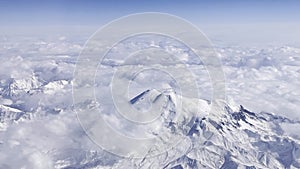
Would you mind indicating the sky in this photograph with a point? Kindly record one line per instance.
(232, 21)
(68, 12)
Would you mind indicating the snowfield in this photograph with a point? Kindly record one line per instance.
(256, 127)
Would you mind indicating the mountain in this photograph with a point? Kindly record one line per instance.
(231, 138)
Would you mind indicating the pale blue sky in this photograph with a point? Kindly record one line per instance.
(68, 12)
(232, 21)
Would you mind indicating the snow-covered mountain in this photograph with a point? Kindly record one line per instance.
(232, 138)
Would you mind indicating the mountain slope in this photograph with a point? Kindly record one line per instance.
(228, 139)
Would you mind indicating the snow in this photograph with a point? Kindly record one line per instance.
(39, 127)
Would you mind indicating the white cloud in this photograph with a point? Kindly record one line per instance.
(36, 80)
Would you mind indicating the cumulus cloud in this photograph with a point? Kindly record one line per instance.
(40, 128)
